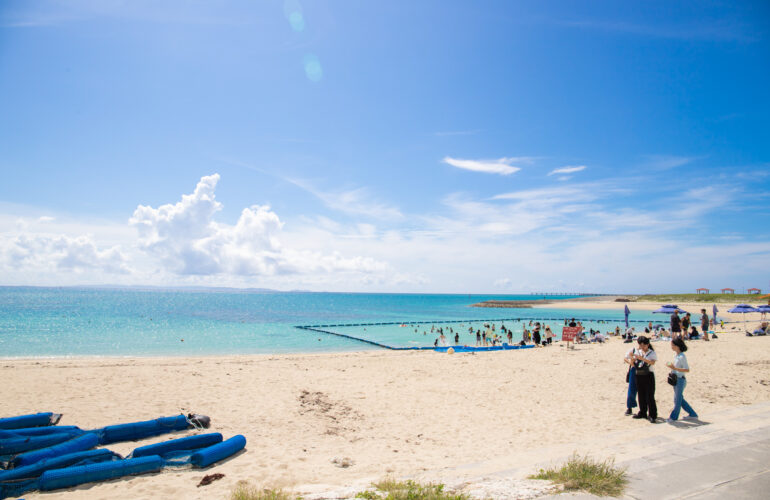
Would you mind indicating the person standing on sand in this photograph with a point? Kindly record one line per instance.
(676, 325)
(679, 367)
(644, 360)
(631, 379)
(704, 324)
(536, 334)
(686, 324)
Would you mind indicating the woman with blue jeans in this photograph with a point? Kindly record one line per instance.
(680, 367)
(631, 379)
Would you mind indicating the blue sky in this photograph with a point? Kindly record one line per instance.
(386, 146)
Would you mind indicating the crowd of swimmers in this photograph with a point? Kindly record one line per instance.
(534, 332)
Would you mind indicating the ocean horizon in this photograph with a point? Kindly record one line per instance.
(103, 321)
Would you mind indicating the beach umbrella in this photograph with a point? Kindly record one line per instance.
(764, 309)
(743, 309)
(715, 310)
(669, 309)
(627, 312)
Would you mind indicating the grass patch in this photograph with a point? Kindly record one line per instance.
(246, 491)
(708, 298)
(586, 474)
(389, 489)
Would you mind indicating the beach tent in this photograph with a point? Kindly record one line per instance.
(743, 309)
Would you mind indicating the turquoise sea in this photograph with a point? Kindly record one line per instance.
(46, 322)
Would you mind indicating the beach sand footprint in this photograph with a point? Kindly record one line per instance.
(340, 418)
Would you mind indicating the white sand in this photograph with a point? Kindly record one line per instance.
(403, 414)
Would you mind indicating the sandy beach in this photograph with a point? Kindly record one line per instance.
(403, 414)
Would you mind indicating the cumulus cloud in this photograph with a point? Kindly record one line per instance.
(62, 253)
(569, 169)
(189, 241)
(501, 166)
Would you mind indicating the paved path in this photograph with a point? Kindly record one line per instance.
(702, 461)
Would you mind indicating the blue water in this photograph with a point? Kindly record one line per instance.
(42, 322)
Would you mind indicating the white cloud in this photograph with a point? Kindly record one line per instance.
(667, 162)
(358, 201)
(500, 166)
(60, 253)
(188, 241)
(581, 192)
(569, 169)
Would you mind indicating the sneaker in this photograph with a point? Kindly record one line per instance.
(628, 411)
(670, 420)
(690, 417)
(639, 415)
(653, 420)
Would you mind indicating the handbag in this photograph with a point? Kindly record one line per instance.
(642, 368)
(672, 379)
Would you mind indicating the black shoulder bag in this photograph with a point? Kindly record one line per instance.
(642, 368)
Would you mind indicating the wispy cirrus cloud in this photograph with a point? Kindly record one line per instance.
(569, 169)
(667, 162)
(500, 166)
(356, 201)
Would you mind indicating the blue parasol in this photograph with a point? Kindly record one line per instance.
(669, 309)
(743, 309)
(715, 310)
(627, 312)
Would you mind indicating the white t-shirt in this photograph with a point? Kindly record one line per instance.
(680, 361)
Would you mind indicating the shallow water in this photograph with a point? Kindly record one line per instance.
(83, 322)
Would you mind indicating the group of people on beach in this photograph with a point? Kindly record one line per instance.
(641, 380)
(678, 327)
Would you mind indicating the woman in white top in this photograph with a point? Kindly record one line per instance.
(644, 360)
(680, 367)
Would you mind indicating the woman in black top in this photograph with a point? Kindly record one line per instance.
(644, 359)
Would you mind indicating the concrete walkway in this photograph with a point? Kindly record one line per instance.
(703, 463)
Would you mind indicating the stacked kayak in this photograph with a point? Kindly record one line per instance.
(36, 454)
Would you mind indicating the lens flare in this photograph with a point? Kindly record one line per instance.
(313, 69)
(293, 12)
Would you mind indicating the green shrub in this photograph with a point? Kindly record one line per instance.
(389, 489)
(586, 474)
(246, 491)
